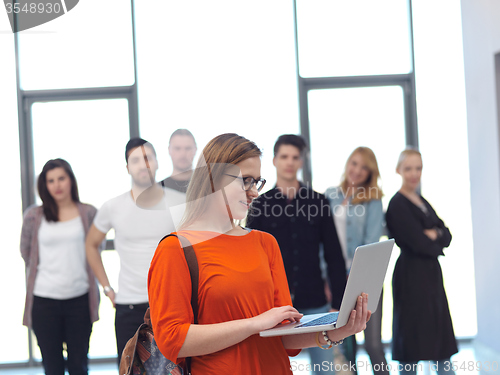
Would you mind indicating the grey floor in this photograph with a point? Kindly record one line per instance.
(469, 360)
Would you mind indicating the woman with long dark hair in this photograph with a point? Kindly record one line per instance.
(61, 294)
(242, 282)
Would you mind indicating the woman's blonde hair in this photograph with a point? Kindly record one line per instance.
(218, 156)
(369, 189)
(405, 153)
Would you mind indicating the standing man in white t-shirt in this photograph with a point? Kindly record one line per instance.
(137, 233)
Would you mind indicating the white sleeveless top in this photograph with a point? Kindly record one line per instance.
(62, 263)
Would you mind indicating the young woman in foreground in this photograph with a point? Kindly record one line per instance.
(242, 284)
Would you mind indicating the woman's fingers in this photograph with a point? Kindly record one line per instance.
(290, 313)
(360, 315)
(369, 315)
(295, 317)
(352, 319)
(357, 319)
(360, 307)
(275, 316)
(364, 311)
(367, 312)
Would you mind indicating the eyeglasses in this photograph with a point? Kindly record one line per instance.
(250, 182)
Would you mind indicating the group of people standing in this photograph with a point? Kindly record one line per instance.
(62, 240)
(293, 257)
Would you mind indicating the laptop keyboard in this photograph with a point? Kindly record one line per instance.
(326, 319)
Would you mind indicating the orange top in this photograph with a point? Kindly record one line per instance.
(239, 277)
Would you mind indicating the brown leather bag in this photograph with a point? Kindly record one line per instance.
(141, 354)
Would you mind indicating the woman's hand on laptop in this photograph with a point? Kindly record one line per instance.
(271, 318)
(357, 321)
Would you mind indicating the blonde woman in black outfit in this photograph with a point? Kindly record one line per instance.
(422, 327)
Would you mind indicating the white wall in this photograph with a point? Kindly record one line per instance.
(481, 36)
(442, 130)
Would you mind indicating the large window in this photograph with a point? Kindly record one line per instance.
(353, 38)
(95, 133)
(215, 67)
(227, 76)
(80, 49)
(343, 119)
(90, 135)
(78, 100)
(357, 85)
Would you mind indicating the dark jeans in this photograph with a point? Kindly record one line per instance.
(127, 319)
(63, 321)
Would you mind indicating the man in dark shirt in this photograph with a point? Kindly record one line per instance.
(182, 149)
(301, 221)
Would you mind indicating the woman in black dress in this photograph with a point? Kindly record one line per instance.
(422, 327)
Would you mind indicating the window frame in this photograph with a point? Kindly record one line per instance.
(406, 81)
(25, 101)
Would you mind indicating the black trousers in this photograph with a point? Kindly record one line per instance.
(127, 319)
(373, 342)
(63, 321)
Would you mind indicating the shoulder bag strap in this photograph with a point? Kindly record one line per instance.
(192, 262)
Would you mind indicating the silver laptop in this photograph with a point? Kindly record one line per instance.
(367, 275)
